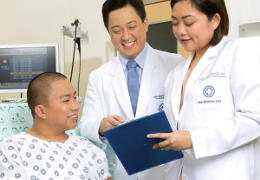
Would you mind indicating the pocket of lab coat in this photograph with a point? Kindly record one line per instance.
(216, 100)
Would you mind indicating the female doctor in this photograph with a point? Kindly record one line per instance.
(213, 99)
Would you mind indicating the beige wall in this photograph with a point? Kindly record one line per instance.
(40, 21)
(158, 12)
(3, 21)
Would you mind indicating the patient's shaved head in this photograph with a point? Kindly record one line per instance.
(39, 89)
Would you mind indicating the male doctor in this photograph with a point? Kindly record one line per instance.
(131, 85)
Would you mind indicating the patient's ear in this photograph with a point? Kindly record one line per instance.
(40, 111)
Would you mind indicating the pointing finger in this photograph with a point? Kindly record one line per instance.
(158, 135)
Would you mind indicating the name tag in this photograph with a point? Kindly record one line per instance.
(213, 75)
(158, 97)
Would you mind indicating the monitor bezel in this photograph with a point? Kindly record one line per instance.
(31, 46)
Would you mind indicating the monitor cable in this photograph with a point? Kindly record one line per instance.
(76, 41)
(74, 49)
(79, 70)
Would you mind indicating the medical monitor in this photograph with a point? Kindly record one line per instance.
(19, 64)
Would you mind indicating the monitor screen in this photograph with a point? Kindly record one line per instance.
(19, 64)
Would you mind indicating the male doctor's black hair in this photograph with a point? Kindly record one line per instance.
(112, 5)
(210, 8)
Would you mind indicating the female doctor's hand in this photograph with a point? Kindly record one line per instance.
(177, 140)
(109, 122)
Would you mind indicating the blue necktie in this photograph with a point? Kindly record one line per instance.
(133, 83)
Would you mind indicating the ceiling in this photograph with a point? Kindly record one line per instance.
(152, 1)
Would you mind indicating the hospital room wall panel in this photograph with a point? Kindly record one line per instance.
(161, 12)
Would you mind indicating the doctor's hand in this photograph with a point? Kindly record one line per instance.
(177, 140)
(109, 122)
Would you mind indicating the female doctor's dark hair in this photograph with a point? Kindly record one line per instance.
(112, 5)
(210, 8)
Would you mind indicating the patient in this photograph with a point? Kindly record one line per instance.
(46, 151)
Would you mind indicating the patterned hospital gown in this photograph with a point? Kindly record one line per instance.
(25, 157)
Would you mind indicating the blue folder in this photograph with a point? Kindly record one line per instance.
(134, 149)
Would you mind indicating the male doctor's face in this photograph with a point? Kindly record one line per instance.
(127, 31)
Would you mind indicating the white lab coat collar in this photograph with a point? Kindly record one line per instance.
(202, 64)
(146, 85)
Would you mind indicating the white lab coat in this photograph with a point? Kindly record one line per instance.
(107, 94)
(224, 118)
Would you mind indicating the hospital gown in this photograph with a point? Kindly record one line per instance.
(26, 157)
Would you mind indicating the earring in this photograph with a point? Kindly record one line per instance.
(214, 26)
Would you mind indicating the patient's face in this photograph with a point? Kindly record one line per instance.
(62, 108)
